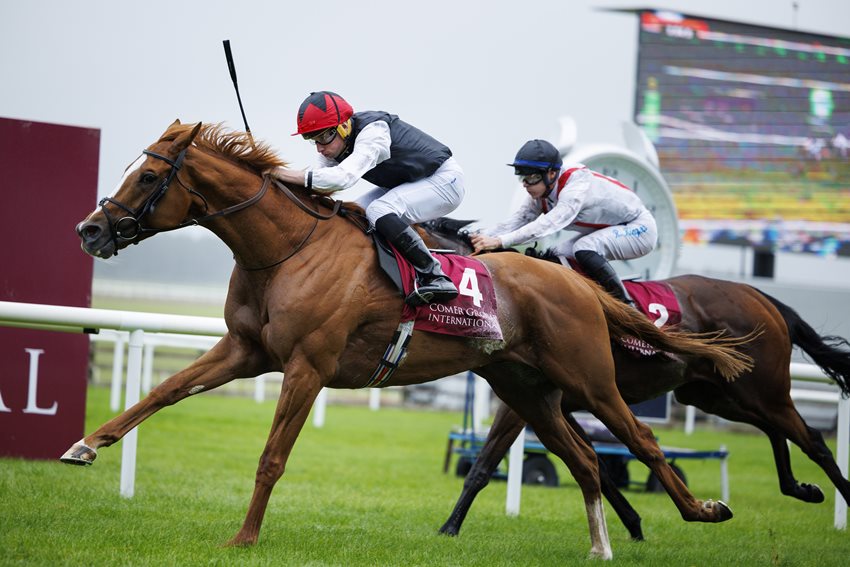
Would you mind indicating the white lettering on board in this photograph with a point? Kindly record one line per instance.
(32, 392)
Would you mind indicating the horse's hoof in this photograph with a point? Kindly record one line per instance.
(720, 510)
(811, 493)
(603, 554)
(79, 454)
(240, 542)
(448, 530)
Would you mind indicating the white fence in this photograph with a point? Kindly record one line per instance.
(200, 331)
(77, 319)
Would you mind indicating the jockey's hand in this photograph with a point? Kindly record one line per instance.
(286, 175)
(481, 242)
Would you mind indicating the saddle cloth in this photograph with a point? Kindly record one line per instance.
(471, 314)
(657, 301)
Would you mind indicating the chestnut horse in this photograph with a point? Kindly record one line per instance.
(307, 298)
(760, 397)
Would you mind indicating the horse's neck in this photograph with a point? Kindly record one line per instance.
(261, 234)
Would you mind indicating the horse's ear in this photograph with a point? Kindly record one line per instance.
(182, 141)
(175, 123)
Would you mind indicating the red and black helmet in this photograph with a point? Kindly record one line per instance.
(322, 110)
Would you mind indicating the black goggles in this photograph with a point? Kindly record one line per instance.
(322, 137)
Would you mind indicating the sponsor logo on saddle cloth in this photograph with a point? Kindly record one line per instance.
(658, 302)
(471, 314)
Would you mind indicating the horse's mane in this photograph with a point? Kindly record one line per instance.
(234, 145)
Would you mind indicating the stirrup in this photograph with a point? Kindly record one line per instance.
(423, 295)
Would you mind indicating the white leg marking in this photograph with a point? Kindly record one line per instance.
(601, 546)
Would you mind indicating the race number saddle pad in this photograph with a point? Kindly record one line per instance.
(471, 314)
(658, 302)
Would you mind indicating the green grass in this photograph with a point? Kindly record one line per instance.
(367, 489)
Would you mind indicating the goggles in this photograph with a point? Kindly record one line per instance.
(530, 178)
(322, 137)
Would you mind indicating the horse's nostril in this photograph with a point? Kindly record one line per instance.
(89, 232)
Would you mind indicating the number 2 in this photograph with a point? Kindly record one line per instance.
(661, 311)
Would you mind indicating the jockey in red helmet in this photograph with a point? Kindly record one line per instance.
(602, 218)
(416, 178)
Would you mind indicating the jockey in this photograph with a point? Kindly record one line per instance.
(416, 178)
(606, 219)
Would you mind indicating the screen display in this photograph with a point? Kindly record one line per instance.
(752, 128)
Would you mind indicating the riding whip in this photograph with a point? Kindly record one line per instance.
(232, 67)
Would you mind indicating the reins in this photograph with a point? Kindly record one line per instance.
(286, 191)
(134, 229)
(133, 219)
(335, 208)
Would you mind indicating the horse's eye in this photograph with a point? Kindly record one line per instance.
(147, 177)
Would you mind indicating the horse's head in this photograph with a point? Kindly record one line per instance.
(147, 199)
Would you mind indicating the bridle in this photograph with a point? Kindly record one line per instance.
(129, 227)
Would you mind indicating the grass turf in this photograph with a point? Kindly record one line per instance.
(367, 489)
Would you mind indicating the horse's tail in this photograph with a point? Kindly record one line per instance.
(830, 352)
(624, 321)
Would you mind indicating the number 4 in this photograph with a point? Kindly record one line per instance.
(469, 286)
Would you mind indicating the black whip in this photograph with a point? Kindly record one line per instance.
(232, 67)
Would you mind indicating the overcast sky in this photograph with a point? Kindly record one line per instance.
(481, 76)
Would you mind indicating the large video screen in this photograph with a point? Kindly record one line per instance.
(752, 128)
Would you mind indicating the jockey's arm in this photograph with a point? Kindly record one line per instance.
(563, 214)
(371, 147)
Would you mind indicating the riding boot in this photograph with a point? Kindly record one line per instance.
(598, 269)
(432, 285)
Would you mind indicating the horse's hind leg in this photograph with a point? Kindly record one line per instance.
(219, 366)
(588, 383)
(539, 404)
(506, 426)
(779, 420)
(617, 416)
(628, 515)
(788, 484)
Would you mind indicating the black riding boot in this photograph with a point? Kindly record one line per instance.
(598, 269)
(432, 285)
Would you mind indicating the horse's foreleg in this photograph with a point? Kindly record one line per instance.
(220, 365)
(297, 395)
(506, 426)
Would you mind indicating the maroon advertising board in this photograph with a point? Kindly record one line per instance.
(48, 183)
